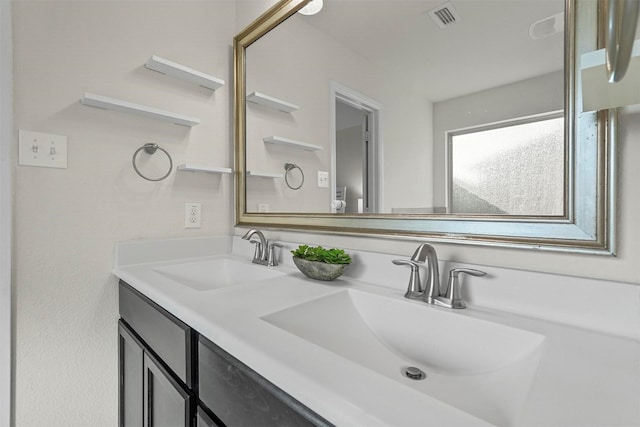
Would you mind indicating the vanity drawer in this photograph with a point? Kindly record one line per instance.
(172, 340)
(239, 396)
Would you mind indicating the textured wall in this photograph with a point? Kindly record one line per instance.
(67, 220)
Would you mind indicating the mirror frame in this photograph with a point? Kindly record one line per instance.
(588, 226)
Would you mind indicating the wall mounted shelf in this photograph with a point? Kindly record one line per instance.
(260, 174)
(197, 167)
(271, 102)
(181, 72)
(278, 140)
(106, 103)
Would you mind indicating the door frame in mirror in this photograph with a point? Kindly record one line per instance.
(589, 226)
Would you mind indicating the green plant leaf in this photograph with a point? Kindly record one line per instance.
(320, 254)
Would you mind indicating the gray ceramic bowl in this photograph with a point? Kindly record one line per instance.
(319, 270)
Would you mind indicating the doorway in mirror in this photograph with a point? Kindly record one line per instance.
(356, 156)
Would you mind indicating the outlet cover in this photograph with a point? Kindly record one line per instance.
(192, 215)
(42, 149)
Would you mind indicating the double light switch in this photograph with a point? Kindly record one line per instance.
(42, 149)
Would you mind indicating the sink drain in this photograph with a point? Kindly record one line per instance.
(414, 373)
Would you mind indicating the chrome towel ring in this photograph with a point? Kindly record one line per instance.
(288, 167)
(151, 148)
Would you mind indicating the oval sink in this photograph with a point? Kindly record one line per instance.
(481, 367)
(216, 273)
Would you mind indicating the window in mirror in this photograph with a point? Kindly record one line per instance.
(511, 168)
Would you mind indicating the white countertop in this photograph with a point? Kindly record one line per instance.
(584, 378)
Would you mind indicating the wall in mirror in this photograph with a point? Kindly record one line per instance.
(414, 85)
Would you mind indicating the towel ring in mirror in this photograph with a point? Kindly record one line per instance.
(288, 167)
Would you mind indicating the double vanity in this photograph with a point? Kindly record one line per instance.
(266, 343)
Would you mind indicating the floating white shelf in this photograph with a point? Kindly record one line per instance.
(597, 92)
(260, 174)
(106, 103)
(278, 140)
(271, 102)
(197, 167)
(172, 69)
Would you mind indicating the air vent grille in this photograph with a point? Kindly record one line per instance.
(444, 15)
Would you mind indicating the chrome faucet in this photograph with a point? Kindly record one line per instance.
(264, 253)
(431, 292)
(426, 252)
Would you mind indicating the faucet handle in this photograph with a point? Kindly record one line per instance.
(257, 253)
(452, 296)
(414, 290)
(271, 253)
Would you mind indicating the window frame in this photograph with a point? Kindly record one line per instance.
(449, 135)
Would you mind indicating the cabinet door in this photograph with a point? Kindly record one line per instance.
(239, 396)
(204, 420)
(130, 372)
(166, 402)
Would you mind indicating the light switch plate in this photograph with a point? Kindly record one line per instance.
(42, 149)
(323, 179)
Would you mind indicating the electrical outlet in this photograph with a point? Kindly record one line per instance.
(192, 215)
(42, 149)
(323, 179)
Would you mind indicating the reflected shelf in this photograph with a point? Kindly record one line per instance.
(182, 72)
(198, 167)
(278, 140)
(106, 103)
(271, 102)
(261, 174)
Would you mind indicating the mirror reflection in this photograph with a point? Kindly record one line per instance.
(410, 107)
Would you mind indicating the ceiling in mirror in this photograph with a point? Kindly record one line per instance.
(488, 44)
(377, 117)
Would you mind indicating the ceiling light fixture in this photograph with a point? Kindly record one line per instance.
(313, 7)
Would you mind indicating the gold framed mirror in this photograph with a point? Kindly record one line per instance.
(582, 219)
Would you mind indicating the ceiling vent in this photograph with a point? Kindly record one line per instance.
(444, 15)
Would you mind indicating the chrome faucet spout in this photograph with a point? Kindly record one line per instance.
(261, 252)
(431, 292)
(265, 253)
(427, 253)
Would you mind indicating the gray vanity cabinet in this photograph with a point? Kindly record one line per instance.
(155, 366)
(172, 376)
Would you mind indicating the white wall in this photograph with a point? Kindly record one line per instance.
(67, 220)
(6, 139)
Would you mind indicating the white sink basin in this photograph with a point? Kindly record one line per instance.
(217, 273)
(481, 367)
